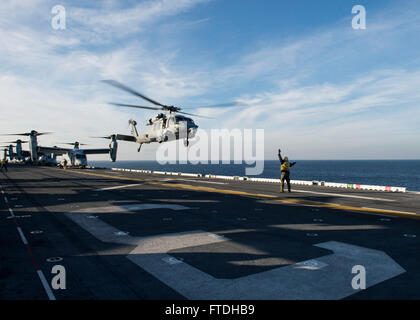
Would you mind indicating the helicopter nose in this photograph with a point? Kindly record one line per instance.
(192, 130)
(192, 125)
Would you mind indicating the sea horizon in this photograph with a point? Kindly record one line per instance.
(384, 172)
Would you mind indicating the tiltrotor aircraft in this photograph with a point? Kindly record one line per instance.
(5, 153)
(34, 150)
(76, 157)
(20, 154)
(164, 126)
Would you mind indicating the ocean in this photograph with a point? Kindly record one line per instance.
(398, 173)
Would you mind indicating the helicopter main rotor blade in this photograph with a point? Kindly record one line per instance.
(228, 104)
(195, 115)
(132, 91)
(134, 106)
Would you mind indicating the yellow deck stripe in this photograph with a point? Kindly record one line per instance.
(265, 196)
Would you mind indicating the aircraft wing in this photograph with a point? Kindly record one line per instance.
(55, 150)
(95, 151)
(126, 138)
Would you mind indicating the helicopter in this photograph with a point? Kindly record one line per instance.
(168, 126)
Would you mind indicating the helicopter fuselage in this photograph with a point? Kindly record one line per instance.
(76, 158)
(168, 127)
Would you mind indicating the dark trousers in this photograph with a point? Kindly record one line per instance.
(285, 175)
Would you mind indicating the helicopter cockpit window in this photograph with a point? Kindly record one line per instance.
(180, 119)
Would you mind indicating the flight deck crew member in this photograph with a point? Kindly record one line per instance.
(4, 165)
(285, 171)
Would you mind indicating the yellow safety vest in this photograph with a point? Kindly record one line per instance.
(285, 166)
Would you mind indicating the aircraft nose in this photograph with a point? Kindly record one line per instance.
(192, 125)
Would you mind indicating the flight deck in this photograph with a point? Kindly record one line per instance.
(131, 235)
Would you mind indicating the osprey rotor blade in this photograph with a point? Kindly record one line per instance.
(132, 91)
(16, 141)
(73, 143)
(16, 134)
(32, 133)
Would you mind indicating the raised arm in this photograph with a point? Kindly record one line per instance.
(280, 158)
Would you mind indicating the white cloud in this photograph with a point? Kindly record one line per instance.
(110, 23)
(312, 102)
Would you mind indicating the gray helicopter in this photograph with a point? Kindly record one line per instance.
(163, 127)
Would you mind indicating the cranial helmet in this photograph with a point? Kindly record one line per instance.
(286, 159)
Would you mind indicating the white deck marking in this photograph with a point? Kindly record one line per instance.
(22, 236)
(203, 181)
(191, 180)
(25, 242)
(120, 187)
(326, 227)
(46, 285)
(149, 206)
(343, 195)
(104, 231)
(326, 277)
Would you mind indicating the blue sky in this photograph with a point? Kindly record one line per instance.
(320, 89)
